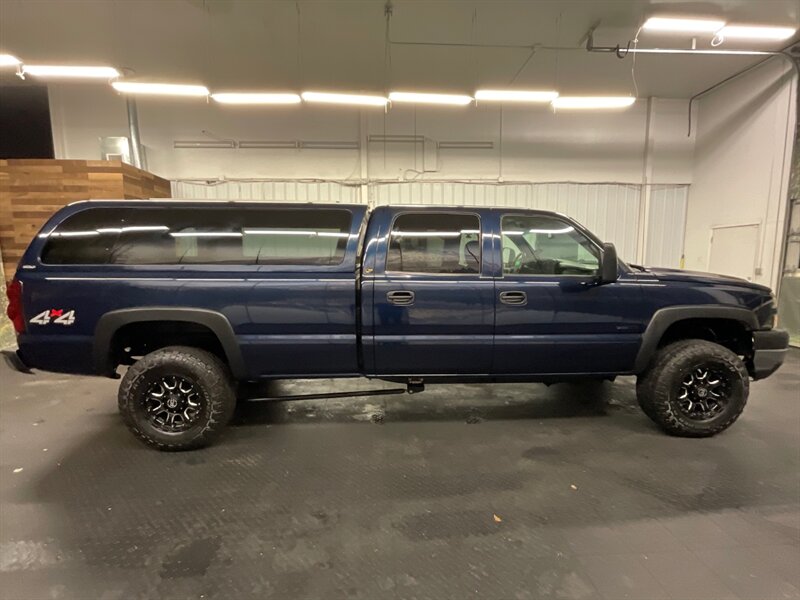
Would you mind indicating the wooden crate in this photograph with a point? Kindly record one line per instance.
(31, 190)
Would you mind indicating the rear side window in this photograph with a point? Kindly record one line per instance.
(207, 235)
(435, 243)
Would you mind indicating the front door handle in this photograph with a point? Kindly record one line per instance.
(400, 297)
(514, 298)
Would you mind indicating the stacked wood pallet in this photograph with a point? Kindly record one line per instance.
(31, 190)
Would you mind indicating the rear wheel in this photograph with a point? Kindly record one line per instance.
(177, 398)
(694, 388)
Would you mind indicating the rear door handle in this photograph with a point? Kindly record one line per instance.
(400, 297)
(514, 298)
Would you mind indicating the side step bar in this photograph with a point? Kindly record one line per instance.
(413, 387)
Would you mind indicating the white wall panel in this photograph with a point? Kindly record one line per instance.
(535, 144)
(666, 226)
(742, 158)
(269, 191)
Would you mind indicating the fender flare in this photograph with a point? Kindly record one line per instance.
(219, 325)
(665, 317)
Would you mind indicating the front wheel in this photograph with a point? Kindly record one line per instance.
(177, 398)
(694, 388)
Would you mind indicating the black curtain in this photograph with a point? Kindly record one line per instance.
(25, 128)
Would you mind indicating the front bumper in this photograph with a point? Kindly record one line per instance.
(769, 352)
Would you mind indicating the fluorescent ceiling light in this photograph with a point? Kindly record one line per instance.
(207, 234)
(255, 98)
(690, 51)
(163, 89)
(447, 234)
(303, 232)
(67, 71)
(349, 99)
(422, 98)
(544, 231)
(134, 228)
(74, 233)
(552, 231)
(515, 96)
(756, 32)
(681, 24)
(6, 60)
(593, 101)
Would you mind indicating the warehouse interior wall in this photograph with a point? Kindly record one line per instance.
(533, 144)
(742, 158)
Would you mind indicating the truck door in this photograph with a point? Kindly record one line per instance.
(432, 304)
(551, 316)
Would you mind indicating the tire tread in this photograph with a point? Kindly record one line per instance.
(652, 391)
(216, 381)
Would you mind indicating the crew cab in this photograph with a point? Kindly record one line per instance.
(195, 297)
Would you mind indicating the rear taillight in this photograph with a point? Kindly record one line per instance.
(14, 311)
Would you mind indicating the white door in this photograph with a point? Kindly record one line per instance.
(733, 250)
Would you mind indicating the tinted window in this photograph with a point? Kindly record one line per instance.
(435, 243)
(208, 235)
(543, 245)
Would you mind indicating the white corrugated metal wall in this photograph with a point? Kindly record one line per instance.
(611, 210)
(667, 225)
(269, 191)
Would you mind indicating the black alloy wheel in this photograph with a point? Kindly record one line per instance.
(172, 404)
(704, 391)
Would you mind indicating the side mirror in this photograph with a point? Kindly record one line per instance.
(608, 264)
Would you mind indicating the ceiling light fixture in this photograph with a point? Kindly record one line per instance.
(161, 89)
(691, 51)
(589, 102)
(347, 99)
(206, 234)
(6, 60)
(515, 96)
(255, 98)
(621, 52)
(70, 71)
(756, 32)
(678, 24)
(425, 98)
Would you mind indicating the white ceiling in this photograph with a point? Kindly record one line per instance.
(342, 44)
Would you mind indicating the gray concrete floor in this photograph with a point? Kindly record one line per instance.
(505, 491)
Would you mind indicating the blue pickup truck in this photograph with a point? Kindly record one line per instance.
(198, 297)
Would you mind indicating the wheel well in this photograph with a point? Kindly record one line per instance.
(731, 334)
(134, 340)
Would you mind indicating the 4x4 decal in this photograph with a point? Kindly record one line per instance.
(54, 315)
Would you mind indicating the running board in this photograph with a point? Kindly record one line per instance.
(413, 387)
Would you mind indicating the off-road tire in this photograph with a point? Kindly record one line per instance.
(644, 388)
(209, 375)
(657, 388)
